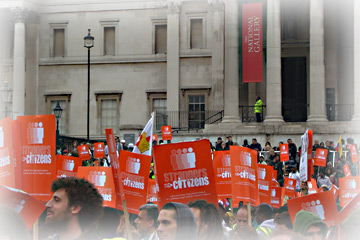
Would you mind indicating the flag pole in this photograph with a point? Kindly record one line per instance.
(128, 234)
(36, 230)
(249, 213)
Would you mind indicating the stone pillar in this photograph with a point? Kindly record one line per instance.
(356, 116)
(19, 63)
(273, 63)
(173, 61)
(231, 98)
(317, 66)
(217, 59)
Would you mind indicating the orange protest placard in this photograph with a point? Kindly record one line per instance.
(322, 204)
(115, 166)
(350, 207)
(7, 171)
(354, 154)
(276, 197)
(155, 137)
(99, 150)
(265, 183)
(320, 157)
(67, 166)
(222, 171)
(289, 187)
(83, 151)
(244, 175)
(184, 172)
(335, 190)
(312, 186)
(166, 133)
(284, 152)
(152, 192)
(349, 187)
(16, 140)
(24, 204)
(103, 180)
(347, 171)
(38, 155)
(134, 176)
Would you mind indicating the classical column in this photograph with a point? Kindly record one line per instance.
(173, 61)
(231, 98)
(356, 116)
(273, 63)
(19, 63)
(317, 66)
(217, 58)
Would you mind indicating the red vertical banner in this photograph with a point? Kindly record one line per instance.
(83, 151)
(103, 180)
(99, 150)
(349, 187)
(166, 133)
(184, 173)
(244, 175)
(265, 183)
(152, 192)
(67, 166)
(115, 166)
(252, 42)
(354, 154)
(222, 170)
(284, 152)
(16, 140)
(320, 157)
(289, 187)
(7, 171)
(134, 177)
(38, 155)
(310, 144)
(276, 197)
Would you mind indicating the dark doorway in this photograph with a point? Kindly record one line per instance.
(294, 91)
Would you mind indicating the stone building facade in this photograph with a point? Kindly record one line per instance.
(182, 59)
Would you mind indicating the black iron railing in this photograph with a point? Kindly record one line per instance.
(339, 112)
(248, 113)
(186, 120)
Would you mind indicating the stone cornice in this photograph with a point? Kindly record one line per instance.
(217, 5)
(173, 6)
(19, 14)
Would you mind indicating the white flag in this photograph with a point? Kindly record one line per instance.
(144, 143)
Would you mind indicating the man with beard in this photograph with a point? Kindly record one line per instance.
(74, 209)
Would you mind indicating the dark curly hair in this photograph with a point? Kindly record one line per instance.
(82, 193)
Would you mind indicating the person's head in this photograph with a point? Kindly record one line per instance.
(146, 221)
(327, 144)
(316, 142)
(254, 141)
(219, 140)
(74, 200)
(281, 142)
(261, 158)
(245, 232)
(75, 144)
(310, 225)
(208, 220)
(108, 223)
(322, 144)
(271, 152)
(331, 143)
(12, 225)
(161, 141)
(168, 141)
(246, 142)
(241, 217)
(229, 138)
(263, 212)
(289, 141)
(332, 178)
(283, 221)
(176, 222)
(223, 145)
(154, 143)
(267, 144)
(322, 173)
(130, 146)
(329, 165)
(258, 98)
(293, 169)
(117, 139)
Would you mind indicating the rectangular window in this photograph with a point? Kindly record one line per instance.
(108, 114)
(62, 120)
(196, 33)
(196, 111)
(59, 42)
(160, 38)
(159, 107)
(109, 40)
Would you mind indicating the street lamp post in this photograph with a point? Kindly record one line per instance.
(57, 111)
(88, 43)
(6, 94)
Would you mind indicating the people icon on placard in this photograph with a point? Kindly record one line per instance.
(283, 147)
(322, 152)
(350, 184)
(133, 165)
(245, 159)
(19, 205)
(1, 137)
(315, 207)
(102, 179)
(35, 133)
(226, 160)
(68, 165)
(153, 189)
(273, 193)
(98, 178)
(262, 173)
(181, 159)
